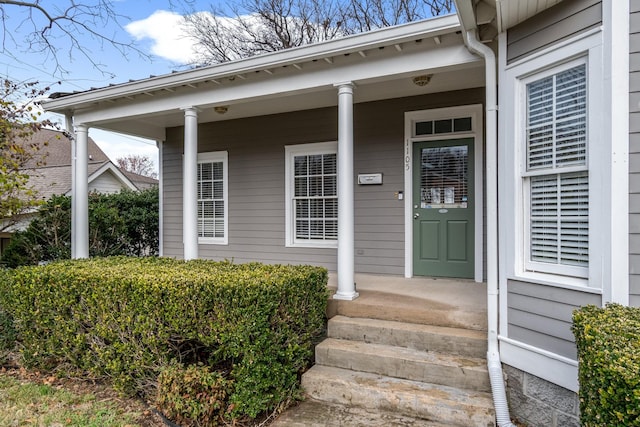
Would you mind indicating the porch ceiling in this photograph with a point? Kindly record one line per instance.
(382, 65)
(149, 125)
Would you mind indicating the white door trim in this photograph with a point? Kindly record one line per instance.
(475, 112)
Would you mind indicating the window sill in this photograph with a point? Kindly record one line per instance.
(319, 245)
(565, 282)
(209, 241)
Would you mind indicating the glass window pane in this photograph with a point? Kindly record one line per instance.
(330, 186)
(300, 165)
(462, 125)
(314, 188)
(300, 187)
(206, 171)
(217, 170)
(444, 177)
(443, 126)
(302, 229)
(211, 199)
(315, 164)
(424, 128)
(329, 164)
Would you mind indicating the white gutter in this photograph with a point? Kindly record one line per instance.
(347, 45)
(493, 354)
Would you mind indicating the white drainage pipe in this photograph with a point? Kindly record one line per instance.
(493, 355)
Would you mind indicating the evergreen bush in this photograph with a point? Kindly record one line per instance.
(124, 223)
(608, 341)
(125, 319)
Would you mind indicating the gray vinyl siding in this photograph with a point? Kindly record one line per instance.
(257, 181)
(634, 153)
(555, 24)
(540, 315)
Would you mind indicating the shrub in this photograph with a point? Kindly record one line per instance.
(128, 318)
(193, 395)
(608, 341)
(124, 223)
(7, 330)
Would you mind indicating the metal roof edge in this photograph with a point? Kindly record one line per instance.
(381, 37)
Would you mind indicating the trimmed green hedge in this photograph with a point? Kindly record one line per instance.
(608, 341)
(126, 319)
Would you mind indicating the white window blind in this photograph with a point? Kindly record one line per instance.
(560, 219)
(558, 200)
(315, 197)
(211, 200)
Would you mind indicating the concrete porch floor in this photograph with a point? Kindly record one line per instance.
(437, 301)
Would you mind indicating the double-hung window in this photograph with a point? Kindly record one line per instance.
(212, 198)
(556, 176)
(312, 195)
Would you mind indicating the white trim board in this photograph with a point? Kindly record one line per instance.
(546, 365)
(475, 112)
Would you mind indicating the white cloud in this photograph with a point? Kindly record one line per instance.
(169, 41)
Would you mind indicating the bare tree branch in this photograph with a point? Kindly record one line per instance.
(141, 165)
(62, 28)
(252, 27)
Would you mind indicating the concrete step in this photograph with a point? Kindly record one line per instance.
(400, 362)
(463, 342)
(313, 413)
(410, 309)
(441, 404)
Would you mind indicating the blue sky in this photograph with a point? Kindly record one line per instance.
(151, 23)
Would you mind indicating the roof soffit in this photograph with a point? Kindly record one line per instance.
(492, 17)
(297, 58)
(378, 65)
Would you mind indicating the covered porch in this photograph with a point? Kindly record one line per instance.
(204, 110)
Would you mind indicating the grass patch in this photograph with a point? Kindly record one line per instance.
(25, 403)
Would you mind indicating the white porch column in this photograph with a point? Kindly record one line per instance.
(346, 282)
(80, 194)
(69, 128)
(190, 184)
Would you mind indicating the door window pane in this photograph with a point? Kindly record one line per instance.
(444, 177)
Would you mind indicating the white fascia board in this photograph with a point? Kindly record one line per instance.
(432, 60)
(370, 40)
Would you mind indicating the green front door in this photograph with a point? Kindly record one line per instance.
(443, 208)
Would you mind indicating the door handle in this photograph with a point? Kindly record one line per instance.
(416, 215)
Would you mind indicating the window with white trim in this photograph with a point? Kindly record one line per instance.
(212, 197)
(556, 176)
(312, 194)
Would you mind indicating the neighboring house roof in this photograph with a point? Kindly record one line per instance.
(140, 181)
(50, 169)
(55, 149)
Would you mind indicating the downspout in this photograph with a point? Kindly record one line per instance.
(493, 354)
